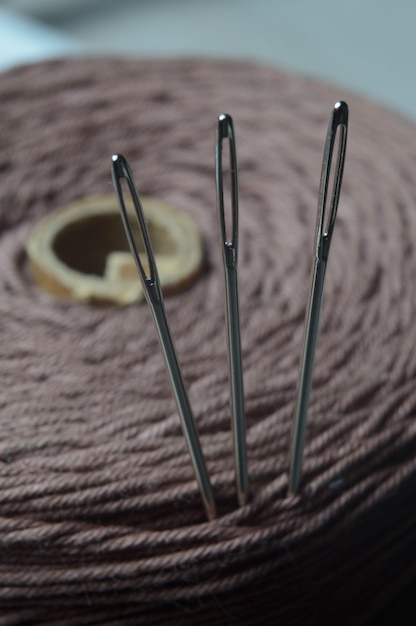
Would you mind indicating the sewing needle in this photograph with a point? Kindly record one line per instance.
(323, 235)
(229, 248)
(153, 293)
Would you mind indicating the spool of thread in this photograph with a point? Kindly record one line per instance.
(100, 514)
(80, 252)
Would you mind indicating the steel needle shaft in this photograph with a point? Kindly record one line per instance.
(339, 120)
(229, 248)
(153, 293)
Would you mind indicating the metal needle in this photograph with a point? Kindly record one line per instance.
(153, 293)
(339, 120)
(229, 248)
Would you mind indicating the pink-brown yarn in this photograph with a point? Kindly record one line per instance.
(100, 516)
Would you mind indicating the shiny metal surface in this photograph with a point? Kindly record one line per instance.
(153, 293)
(323, 236)
(229, 249)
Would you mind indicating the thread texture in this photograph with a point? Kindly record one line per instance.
(100, 515)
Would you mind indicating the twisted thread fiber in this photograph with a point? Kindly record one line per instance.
(100, 516)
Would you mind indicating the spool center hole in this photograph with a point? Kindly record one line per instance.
(85, 244)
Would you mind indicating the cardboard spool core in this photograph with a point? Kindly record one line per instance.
(80, 252)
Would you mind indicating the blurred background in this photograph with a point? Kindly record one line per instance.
(368, 46)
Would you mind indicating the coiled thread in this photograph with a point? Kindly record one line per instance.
(100, 515)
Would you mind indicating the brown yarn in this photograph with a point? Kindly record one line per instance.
(100, 516)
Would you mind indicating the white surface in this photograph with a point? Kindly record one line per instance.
(365, 45)
(23, 40)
